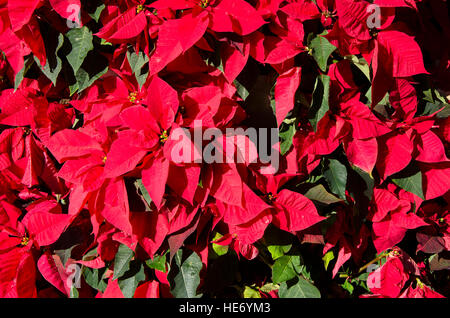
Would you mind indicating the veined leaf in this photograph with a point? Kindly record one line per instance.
(81, 41)
(122, 260)
(94, 66)
(21, 74)
(319, 104)
(336, 176)
(131, 279)
(241, 90)
(158, 262)
(97, 13)
(321, 51)
(362, 65)
(278, 242)
(54, 64)
(140, 186)
(286, 267)
(287, 137)
(139, 66)
(95, 278)
(298, 288)
(320, 194)
(410, 179)
(184, 275)
(250, 292)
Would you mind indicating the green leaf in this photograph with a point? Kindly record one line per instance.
(131, 279)
(21, 74)
(444, 113)
(286, 268)
(158, 262)
(327, 258)
(321, 51)
(95, 278)
(368, 181)
(267, 288)
(361, 64)
(319, 104)
(428, 95)
(139, 66)
(438, 105)
(122, 260)
(184, 274)
(320, 194)
(94, 67)
(85, 80)
(97, 13)
(287, 137)
(278, 251)
(250, 292)
(278, 242)
(410, 179)
(53, 65)
(241, 90)
(73, 292)
(298, 288)
(336, 176)
(361, 280)
(105, 43)
(140, 186)
(348, 286)
(81, 40)
(219, 249)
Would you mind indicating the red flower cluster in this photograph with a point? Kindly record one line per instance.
(133, 135)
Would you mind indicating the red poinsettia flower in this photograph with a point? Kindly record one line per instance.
(41, 226)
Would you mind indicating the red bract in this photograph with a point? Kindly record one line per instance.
(19, 238)
(396, 278)
(224, 148)
(224, 15)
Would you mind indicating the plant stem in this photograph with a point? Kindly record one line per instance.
(376, 259)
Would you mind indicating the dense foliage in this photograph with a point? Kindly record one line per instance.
(353, 203)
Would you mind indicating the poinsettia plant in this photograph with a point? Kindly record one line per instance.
(224, 148)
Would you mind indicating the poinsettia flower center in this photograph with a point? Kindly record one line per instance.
(419, 283)
(163, 137)
(373, 32)
(270, 197)
(139, 8)
(204, 3)
(133, 97)
(395, 253)
(26, 131)
(104, 159)
(25, 241)
(327, 14)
